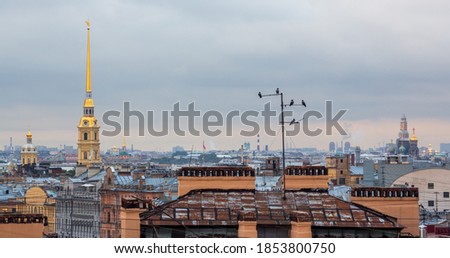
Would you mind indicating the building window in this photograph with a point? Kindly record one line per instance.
(430, 185)
(108, 217)
(95, 136)
(430, 203)
(273, 231)
(341, 181)
(446, 195)
(342, 161)
(85, 136)
(342, 172)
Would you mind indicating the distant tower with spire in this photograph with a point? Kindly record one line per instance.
(88, 128)
(403, 137)
(123, 151)
(413, 148)
(28, 153)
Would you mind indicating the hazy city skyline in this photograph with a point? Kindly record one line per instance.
(379, 60)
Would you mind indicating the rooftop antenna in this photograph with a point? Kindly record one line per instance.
(292, 103)
(190, 157)
(242, 155)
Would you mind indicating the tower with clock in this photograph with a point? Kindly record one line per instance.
(88, 128)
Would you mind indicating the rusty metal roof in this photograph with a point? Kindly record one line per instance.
(227, 207)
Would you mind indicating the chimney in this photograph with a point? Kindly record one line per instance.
(229, 177)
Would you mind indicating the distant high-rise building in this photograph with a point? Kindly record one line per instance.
(358, 155)
(266, 148)
(88, 128)
(11, 148)
(332, 147)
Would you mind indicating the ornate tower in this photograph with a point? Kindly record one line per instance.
(403, 137)
(88, 128)
(28, 152)
(414, 148)
(403, 134)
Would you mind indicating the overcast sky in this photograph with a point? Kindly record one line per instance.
(378, 59)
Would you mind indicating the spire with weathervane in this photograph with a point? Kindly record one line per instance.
(88, 128)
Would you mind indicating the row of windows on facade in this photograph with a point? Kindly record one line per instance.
(85, 155)
(33, 210)
(86, 136)
(28, 161)
(80, 208)
(66, 230)
(444, 194)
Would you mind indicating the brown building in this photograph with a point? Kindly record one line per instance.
(306, 177)
(222, 202)
(401, 203)
(339, 170)
(227, 177)
(40, 202)
(248, 213)
(116, 188)
(22, 225)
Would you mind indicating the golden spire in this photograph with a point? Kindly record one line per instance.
(29, 135)
(124, 143)
(88, 60)
(413, 137)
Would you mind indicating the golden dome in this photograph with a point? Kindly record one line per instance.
(88, 102)
(413, 137)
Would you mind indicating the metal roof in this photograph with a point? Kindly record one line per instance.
(267, 183)
(123, 180)
(227, 207)
(357, 170)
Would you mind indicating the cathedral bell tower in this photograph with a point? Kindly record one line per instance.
(88, 128)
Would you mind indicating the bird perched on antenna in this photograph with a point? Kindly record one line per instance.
(303, 103)
(292, 102)
(277, 91)
(259, 94)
